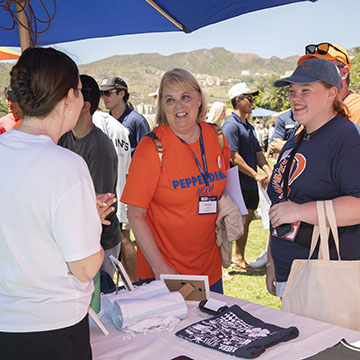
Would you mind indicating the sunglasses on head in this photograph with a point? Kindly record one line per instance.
(107, 92)
(323, 49)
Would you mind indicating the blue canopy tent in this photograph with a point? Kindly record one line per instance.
(261, 112)
(70, 20)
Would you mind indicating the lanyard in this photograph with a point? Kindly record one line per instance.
(204, 173)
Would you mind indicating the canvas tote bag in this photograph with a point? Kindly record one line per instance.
(323, 289)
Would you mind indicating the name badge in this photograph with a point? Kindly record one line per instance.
(208, 205)
(289, 126)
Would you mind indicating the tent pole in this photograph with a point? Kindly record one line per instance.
(23, 27)
(162, 12)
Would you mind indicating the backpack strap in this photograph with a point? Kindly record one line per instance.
(157, 143)
(220, 134)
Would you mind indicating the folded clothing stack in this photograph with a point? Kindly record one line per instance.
(133, 310)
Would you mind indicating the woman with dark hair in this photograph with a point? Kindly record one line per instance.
(50, 227)
(172, 202)
(317, 164)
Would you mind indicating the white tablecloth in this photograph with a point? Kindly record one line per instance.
(314, 336)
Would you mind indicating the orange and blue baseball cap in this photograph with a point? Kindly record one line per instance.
(326, 51)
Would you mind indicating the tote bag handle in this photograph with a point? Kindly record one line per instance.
(323, 230)
(332, 221)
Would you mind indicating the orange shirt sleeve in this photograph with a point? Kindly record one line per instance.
(143, 177)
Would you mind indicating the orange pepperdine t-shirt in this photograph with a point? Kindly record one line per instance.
(170, 192)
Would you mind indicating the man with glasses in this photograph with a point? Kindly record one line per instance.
(340, 57)
(247, 155)
(115, 94)
(95, 147)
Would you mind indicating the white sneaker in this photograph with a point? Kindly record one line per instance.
(260, 261)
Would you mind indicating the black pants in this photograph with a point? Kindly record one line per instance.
(70, 343)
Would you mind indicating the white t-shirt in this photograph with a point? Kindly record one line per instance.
(48, 217)
(119, 136)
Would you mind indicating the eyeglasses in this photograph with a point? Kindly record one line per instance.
(323, 49)
(107, 93)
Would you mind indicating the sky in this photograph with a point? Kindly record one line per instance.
(280, 31)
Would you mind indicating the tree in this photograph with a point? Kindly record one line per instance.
(3, 107)
(355, 71)
(270, 97)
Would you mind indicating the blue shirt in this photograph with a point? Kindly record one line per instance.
(324, 167)
(285, 126)
(137, 125)
(242, 138)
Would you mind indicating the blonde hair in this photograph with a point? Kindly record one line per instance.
(182, 79)
(215, 112)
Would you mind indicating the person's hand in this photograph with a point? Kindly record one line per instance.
(104, 208)
(263, 180)
(276, 145)
(270, 279)
(286, 212)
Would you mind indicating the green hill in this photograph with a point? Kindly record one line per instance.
(216, 69)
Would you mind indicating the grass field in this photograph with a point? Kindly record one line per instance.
(251, 286)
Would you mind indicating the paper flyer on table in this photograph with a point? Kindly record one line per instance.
(233, 189)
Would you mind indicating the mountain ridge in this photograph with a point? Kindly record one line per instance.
(216, 69)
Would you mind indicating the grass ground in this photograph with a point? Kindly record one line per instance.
(251, 286)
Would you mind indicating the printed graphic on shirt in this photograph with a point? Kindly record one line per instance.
(236, 332)
(121, 143)
(228, 333)
(195, 181)
(297, 168)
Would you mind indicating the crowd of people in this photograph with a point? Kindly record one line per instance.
(78, 179)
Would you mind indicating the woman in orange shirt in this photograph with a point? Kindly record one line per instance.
(172, 201)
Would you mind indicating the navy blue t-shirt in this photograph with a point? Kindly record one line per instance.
(137, 125)
(324, 167)
(238, 333)
(242, 138)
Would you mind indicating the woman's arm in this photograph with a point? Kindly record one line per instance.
(146, 242)
(347, 212)
(85, 269)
